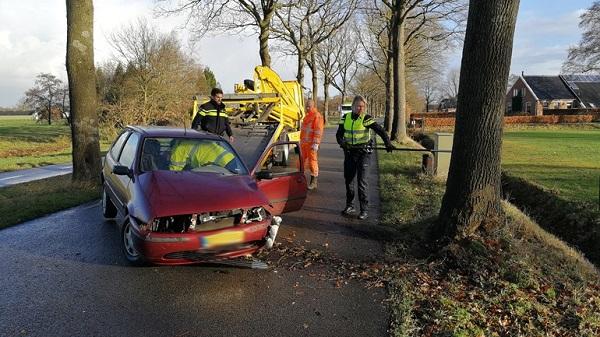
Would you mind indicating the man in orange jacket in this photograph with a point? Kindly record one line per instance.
(310, 138)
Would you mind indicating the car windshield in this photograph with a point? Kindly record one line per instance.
(190, 154)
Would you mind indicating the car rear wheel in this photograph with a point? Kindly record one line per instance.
(109, 210)
(132, 255)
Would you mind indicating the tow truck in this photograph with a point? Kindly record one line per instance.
(262, 111)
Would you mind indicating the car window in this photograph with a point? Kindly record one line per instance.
(128, 153)
(282, 159)
(190, 154)
(118, 145)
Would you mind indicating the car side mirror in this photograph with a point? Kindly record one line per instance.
(122, 170)
(262, 175)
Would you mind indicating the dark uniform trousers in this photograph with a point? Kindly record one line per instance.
(356, 163)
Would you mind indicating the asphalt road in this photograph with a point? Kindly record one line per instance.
(21, 176)
(64, 275)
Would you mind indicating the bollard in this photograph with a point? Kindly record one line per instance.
(427, 164)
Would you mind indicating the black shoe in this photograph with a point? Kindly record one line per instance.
(349, 210)
(363, 215)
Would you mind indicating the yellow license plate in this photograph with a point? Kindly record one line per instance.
(222, 239)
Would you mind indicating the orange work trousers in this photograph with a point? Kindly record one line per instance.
(309, 156)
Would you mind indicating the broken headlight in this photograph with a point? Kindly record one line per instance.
(255, 214)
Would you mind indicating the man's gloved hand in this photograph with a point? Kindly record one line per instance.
(315, 147)
(389, 147)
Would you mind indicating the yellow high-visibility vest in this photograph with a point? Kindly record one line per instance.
(194, 154)
(355, 131)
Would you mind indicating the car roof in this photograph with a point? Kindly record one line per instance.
(172, 132)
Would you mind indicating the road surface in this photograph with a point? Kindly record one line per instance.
(64, 275)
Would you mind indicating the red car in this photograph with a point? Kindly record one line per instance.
(187, 196)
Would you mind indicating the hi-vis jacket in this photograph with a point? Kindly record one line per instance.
(193, 153)
(353, 131)
(213, 118)
(311, 131)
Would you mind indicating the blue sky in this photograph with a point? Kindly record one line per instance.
(33, 34)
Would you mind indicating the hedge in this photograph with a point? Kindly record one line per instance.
(548, 119)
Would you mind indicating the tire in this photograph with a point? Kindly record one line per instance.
(132, 255)
(109, 210)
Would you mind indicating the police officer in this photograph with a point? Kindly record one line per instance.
(353, 135)
(212, 116)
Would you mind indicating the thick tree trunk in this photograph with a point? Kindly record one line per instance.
(82, 91)
(473, 190)
(399, 119)
(263, 40)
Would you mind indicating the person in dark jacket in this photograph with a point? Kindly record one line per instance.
(354, 136)
(212, 116)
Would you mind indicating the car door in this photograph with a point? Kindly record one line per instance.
(286, 188)
(127, 159)
(111, 159)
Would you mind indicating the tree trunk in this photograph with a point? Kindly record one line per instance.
(399, 119)
(315, 81)
(473, 190)
(263, 40)
(300, 74)
(326, 100)
(388, 96)
(82, 91)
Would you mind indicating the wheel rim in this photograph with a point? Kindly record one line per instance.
(128, 241)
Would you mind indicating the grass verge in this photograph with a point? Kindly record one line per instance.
(30, 200)
(25, 144)
(516, 281)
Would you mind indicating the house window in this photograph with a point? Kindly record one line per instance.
(528, 107)
(515, 92)
(523, 92)
(545, 104)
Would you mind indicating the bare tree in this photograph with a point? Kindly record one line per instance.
(452, 83)
(429, 88)
(328, 56)
(446, 14)
(159, 80)
(473, 191)
(306, 24)
(44, 97)
(227, 16)
(82, 93)
(347, 61)
(585, 57)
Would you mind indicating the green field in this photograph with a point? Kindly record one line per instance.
(25, 144)
(565, 159)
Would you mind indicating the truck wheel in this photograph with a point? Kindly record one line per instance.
(109, 210)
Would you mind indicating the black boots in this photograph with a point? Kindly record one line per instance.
(313, 183)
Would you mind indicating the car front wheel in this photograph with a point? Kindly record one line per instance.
(109, 210)
(132, 255)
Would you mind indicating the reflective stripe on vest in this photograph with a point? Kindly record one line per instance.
(214, 113)
(355, 132)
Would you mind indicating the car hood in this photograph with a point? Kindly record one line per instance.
(182, 192)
